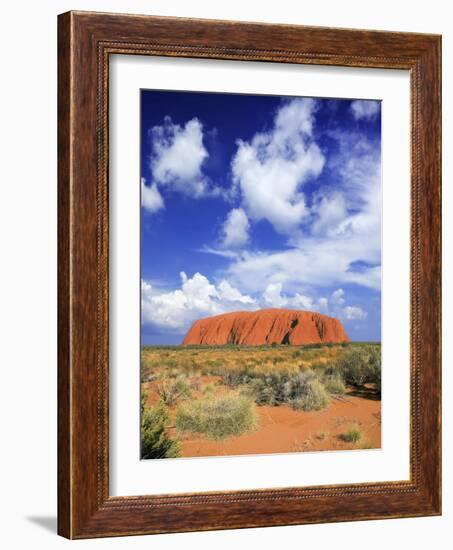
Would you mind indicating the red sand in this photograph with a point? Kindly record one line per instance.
(266, 326)
(283, 430)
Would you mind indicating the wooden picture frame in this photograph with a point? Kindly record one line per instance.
(85, 42)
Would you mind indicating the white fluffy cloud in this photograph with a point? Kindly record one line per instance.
(177, 157)
(307, 303)
(329, 211)
(228, 293)
(365, 108)
(151, 198)
(344, 228)
(354, 312)
(196, 298)
(235, 229)
(337, 297)
(338, 308)
(273, 295)
(271, 169)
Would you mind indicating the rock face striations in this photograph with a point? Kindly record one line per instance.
(266, 326)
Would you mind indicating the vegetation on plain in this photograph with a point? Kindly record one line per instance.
(217, 417)
(214, 390)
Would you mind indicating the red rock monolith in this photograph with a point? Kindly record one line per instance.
(266, 326)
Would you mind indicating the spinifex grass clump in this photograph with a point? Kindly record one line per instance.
(217, 417)
(360, 365)
(302, 391)
(155, 443)
(352, 435)
(334, 385)
(310, 396)
(172, 390)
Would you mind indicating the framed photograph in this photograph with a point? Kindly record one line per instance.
(249, 275)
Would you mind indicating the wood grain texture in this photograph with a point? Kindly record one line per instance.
(86, 40)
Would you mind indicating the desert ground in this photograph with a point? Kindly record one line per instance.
(236, 400)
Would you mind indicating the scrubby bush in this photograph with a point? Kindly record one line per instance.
(262, 393)
(232, 377)
(334, 385)
(217, 417)
(313, 397)
(269, 389)
(353, 435)
(375, 366)
(302, 390)
(155, 442)
(171, 390)
(354, 367)
(361, 365)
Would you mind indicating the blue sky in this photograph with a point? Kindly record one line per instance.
(253, 201)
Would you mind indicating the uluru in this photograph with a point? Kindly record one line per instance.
(266, 326)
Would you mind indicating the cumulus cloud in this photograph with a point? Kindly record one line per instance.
(235, 229)
(197, 297)
(365, 108)
(354, 312)
(337, 307)
(271, 169)
(273, 295)
(307, 303)
(337, 297)
(330, 212)
(152, 200)
(231, 294)
(303, 302)
(178, 154)
(344, 228)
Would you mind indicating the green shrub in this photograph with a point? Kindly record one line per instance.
(262, 392)
(313, 397)
(269, 389)
(355, 367)
(334, 385)
(353, 435)
(375, 366)
(171, 390)
(360, 365)
(217, 417)
(302, 390)
(155, 443)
